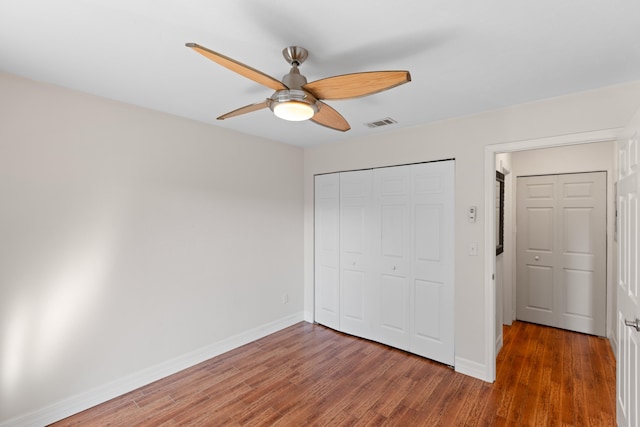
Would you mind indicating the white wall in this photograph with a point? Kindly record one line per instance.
(579, 158)
(465, 139)
(131, 238)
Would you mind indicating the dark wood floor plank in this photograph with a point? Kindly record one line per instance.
(310, 375)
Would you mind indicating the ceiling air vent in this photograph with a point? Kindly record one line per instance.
(382, 122)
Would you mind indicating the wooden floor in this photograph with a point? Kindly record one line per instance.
(308, 375)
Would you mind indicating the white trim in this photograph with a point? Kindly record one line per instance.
(556, 141)
(489, 265)
(309, 316)
(490, 152)
(613, 342)
(471, 368)
(101, 394)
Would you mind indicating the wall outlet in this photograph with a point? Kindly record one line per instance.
(285, 298)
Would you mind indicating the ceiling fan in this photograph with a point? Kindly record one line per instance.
(296, 100)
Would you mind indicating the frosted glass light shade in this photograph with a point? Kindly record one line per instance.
(293, 111)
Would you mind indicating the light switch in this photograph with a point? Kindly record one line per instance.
(471, 213)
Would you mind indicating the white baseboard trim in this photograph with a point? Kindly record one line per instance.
(308, 316)
(613, 342)
(499, 343)
(93, 397)
(473, 369)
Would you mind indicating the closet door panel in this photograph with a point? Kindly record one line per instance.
(429, 220)
(327, 250)
(392, 257)
(355, 252)
(392, 312)
(429, 296)
(432, 291)
(583, 252)
(352, 295)
(537, 249)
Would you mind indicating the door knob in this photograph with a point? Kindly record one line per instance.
(632, 324)
(393, 268)
(536, 258)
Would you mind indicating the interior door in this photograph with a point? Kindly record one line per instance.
(327, 250)
(628, 306)
(561, 251)
(356, 234)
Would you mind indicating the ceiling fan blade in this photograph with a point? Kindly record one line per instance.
(238, 67)
(328, 117)
(357, 84)
(243, 110)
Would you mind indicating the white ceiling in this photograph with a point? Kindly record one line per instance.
(464, 56)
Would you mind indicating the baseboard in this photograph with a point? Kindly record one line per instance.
(498, 344)
(98, 395)
(613, 342)
(308, 317)
(472, 369)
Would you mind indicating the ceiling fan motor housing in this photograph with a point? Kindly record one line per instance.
(294, 80)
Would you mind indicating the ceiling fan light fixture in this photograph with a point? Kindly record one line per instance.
(293, 105)
(293, 111)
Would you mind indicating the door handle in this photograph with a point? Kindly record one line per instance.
(632, 324)
(536, 258)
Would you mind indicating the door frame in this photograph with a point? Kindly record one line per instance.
(489, 225)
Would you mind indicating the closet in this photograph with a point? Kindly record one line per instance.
(561, 251)
(384, 256)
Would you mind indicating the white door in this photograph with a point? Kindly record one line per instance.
(356, 235)
(583, 227)
(432, 252)
(536, 211)
(392, 187)
(390, 237)
(628, 306)
(327, 250)
(561, 251)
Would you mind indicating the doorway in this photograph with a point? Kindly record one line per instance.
(538, 157)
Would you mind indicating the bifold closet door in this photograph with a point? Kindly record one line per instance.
(561, 251)
(327, 250)
(356, 249)
(395, 280)
(392, 251)
(432, 261)
(414, 258)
